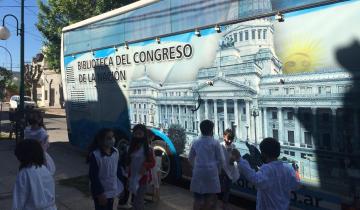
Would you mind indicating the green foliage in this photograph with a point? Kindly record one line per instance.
(5, 82)
(178, 136)
(56, 14)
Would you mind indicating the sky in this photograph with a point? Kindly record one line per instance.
(33, 38)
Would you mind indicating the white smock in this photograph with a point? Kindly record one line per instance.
(34, 189)
(155, 171)
(207, 159)
(231, 171)
(137, 161)
(274, 181)
(108, 167)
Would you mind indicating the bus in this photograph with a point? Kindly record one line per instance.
(264, 68)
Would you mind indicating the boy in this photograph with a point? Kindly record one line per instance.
(229, 172)
(205, 156)
(274, 181)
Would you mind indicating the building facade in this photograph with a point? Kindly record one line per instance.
(246, 90)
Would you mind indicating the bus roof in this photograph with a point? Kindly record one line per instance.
(119, 11)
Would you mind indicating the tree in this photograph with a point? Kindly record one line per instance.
(6, 80)
(56, 14)
(178, 136)
(33, 74)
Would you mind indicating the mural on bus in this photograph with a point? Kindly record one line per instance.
(295, 81)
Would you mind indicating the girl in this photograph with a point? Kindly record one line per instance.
(34, 187)
(36, 130)
(104, 170)
(141, 161)
(156, 172)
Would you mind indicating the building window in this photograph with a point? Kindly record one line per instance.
(46, 95)
(259, 34)
(139, 91)
(241, 36)
(135, 118)
(291, 137)
(307, 136)
(134, 92)
(309, 90)
(290, 115)
(264, 35)
(185, 125)
(253, 34)
(292, 153)
(286, 152)
(185, 109)
(144, 106)
(134, 106)
(145, 119)
(246, 35)
(139, 106)
(274, 115)
(328, 89)
(235, 37)
(244, 110)
(276, 134)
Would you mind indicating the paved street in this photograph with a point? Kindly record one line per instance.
(70, 163)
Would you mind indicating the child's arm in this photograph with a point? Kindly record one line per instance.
(20, 193)
(259, 178)
(294, 181)
(96, 186)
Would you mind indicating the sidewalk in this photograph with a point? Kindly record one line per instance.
(70, 163)
(55, 111)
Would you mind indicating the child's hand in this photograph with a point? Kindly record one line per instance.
(102, 200)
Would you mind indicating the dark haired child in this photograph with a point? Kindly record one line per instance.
(140, 161)
(229, 172)
(36, 131)
(207, 159)
(274, 180)
(104, 170)
(34, 187)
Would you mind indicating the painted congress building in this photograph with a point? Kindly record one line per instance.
(245, 89)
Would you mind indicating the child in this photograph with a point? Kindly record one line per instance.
(229, 172)
(37, 131)
(274, 180)
(156, 174)
(34, 187)
(205, 156)
(122, 144)
(104, 170)
(141, 161)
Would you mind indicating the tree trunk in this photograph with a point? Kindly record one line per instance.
(34, 92)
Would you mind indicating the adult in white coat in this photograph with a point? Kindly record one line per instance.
(207, 159)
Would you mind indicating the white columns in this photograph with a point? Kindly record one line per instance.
(281, 125)
(259, 134)
(297, 133)
(180, 122)
(216, 119)
(206, 109)
(314, 126)
(198, 118)
(334, 129)
(225, 115)
(166, 121)
(265, 131)
(236, 113)
(172, 114)
(240, 122)
(247, 107)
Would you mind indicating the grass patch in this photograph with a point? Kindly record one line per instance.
(80, 183)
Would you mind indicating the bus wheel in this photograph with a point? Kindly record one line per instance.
(168, 164)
